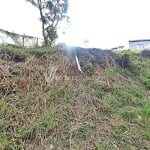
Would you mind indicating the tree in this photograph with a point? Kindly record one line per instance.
(51, 13)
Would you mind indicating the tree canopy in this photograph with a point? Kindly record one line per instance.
(51, 13)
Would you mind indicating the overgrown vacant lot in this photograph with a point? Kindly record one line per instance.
(46, 103)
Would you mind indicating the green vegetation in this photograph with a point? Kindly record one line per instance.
(106, 107)
(51, 13)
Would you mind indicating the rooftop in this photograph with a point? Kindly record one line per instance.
(144, 40)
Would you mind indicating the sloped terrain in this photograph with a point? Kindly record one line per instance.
(46, 103)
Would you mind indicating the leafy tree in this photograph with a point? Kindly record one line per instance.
(51, 13)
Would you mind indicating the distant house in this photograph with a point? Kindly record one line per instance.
(139, 44)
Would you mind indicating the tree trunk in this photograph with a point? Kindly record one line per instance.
(42, 19)
(44, 36)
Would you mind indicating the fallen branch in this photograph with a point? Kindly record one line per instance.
(78, 64)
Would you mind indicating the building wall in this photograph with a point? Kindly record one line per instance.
(19, 40)
(139, 45)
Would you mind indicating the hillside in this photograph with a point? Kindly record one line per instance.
(46, 103)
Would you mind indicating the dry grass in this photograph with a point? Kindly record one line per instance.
(47, 104)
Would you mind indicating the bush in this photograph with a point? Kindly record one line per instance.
(124, 61)
(147, 84)
(89, 70)
(145, 53)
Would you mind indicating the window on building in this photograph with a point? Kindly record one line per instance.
(139, 46)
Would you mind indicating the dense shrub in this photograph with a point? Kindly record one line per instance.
(145, 53)
(124, 61)
(6, 54)
(147, 84)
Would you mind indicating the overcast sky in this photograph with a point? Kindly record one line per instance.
(105, 23)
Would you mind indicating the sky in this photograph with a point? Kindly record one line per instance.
(105, 23)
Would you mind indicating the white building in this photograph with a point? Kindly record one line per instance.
(139, 44)
(7, 37)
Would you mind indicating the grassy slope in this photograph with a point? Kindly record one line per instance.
(108, 110)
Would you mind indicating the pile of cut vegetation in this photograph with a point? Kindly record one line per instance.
(47, 103)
